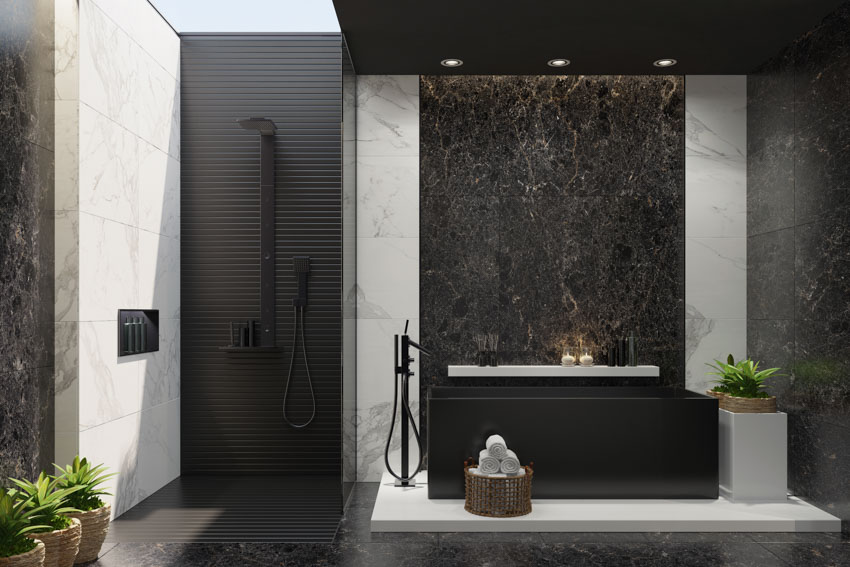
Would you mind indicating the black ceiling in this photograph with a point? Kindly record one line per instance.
(598, 36)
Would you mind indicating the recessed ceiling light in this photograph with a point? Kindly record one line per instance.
(665, 63)
(558, 62)
(451, 62)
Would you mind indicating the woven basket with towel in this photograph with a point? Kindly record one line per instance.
(498, 487)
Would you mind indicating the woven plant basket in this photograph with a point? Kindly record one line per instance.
(95, 524)
(498, 497)
(60, 546)
(32, 558)
(748, 405)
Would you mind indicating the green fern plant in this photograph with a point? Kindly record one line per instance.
(49, 501)
(15, 523)
(742, 380)
(88, 479)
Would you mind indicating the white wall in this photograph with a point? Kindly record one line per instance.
(387, 255)
(715, 222)
(118, 239)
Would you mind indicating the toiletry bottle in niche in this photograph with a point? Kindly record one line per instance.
(138, 321)
(143, 333)
(612, 353)
(127, 335)
(633, 349)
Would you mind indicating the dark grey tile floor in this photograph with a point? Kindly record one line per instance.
(355, 545)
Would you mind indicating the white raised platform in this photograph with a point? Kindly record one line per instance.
(409, 510)
(553, 371)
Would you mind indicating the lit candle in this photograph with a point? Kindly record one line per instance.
(586, 359)
(568, 360)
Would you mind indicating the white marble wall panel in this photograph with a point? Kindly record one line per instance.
(66, 265)
(109, 268)
(708, 340)
(159, 451)
(142, 25)
(716, 277)
(118, 239)
(109, 168)
(125, 83)
(387, 291)
(386, 185)
(715, 222)
(66, 55)
(109, 384)
(388, 115)
(116, 444)
(66, 363)
(159, 274)
(67, 164)
(159, 191)
(160, 371)
(387, 278)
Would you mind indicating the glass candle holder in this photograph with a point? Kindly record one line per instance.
(569, 357)
(586, 358)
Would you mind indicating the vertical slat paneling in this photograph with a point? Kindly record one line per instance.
(231, 403)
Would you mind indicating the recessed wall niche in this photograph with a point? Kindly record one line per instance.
(138, 331)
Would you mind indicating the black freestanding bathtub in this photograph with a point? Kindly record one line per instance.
(614, 442)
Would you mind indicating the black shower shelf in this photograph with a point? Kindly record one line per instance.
(250, 349)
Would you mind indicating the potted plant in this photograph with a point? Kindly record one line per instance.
(752, 435)
(93, 514)
(742, 386)
(49, 504)
(16, 549)
(720, 390)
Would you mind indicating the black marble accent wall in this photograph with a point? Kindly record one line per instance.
(798, 273)
(26, 238)
(552, 211)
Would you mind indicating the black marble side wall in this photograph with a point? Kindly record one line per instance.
(798, 273)
(26, 238)
(552, 211)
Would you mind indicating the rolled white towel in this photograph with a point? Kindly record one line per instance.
(510, 463)
(487, 463)
(497, 446)
(475, 471)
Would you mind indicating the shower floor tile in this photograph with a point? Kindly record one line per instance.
(235, 509)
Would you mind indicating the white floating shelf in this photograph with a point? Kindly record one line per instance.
(554, 371)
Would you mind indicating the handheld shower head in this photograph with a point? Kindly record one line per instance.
(301, 267)
(301, 264)
(264, 126)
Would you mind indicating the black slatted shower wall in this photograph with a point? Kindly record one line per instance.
(231, 402)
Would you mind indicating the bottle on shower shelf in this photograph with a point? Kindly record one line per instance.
(633, 349)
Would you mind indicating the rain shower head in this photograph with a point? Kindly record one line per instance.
(265, 126)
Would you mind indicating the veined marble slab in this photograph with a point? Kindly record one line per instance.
(509, 371)
(409, 510)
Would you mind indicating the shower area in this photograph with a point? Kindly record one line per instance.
(267, 289)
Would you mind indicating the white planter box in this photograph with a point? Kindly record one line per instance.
(753, 456)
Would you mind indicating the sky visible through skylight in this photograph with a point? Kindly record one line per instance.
(249, 15)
